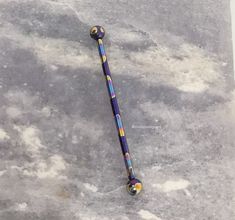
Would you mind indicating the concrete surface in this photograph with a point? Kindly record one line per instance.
(172, 67)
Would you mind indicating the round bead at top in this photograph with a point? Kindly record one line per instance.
(97, 32)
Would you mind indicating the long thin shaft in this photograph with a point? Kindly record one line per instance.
(116, 111)
(134, 185)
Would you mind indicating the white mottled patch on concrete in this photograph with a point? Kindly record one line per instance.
(74, 139)
(90, 187)
(122, 34)
(23, 102)
(188, 193)
(145, 214)
(40, 167)
(20, 97)
(48, 49)
(46, 111)
(51, 51)
(53, 67)
(30, 137)
(189, 68)
(22, 207)
(172, 185)
(16, 168)
(58, 163)
(52, 169)
(3, 135)
(13, 112)
(2, 172)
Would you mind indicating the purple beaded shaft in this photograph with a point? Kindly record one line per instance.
(116, 111)
(134, 185)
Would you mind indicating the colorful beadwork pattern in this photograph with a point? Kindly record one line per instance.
(134, 185)
(120, 127)
(116, 110)
(128, 159)
(102, 51)
(111, 89)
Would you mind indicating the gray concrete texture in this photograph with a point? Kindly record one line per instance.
(171, 62)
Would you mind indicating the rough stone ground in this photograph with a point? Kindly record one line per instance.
(172, 67)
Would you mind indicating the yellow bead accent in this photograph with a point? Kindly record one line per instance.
(121, 131)
(104, 58)
(94, 30)
(138, 186)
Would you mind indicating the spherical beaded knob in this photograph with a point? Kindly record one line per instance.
(134, 186)
(97, 32)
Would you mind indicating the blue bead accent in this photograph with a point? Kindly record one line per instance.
(102, 51)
